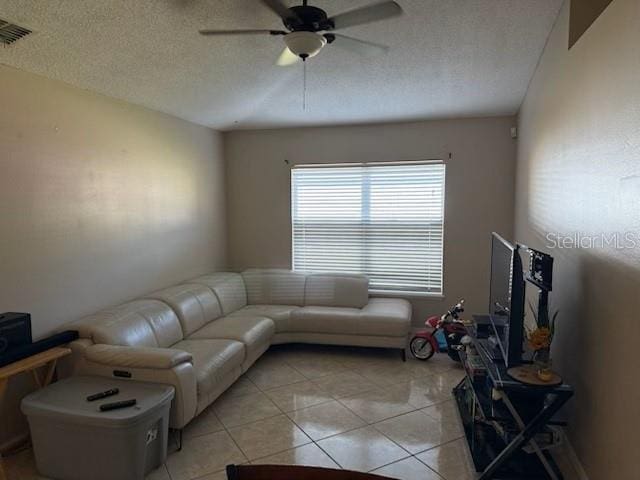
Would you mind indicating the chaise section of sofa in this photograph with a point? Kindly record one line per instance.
(337, 310)
(200, 336)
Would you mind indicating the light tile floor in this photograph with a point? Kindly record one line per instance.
(338, 407)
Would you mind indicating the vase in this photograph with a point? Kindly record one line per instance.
(542, 361)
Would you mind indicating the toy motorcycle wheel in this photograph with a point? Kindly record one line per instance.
(421, 348)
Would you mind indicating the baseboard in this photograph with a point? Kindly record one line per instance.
(567, 451)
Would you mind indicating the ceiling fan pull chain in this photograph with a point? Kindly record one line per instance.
(304, 85)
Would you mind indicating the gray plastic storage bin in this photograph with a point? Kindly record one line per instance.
(73, 440)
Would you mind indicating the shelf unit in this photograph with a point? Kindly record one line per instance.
(501, 415)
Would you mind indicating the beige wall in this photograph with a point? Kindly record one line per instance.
(479, 196)
(579, 172)
(100, 201)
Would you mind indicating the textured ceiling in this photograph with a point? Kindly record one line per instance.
(448, 58)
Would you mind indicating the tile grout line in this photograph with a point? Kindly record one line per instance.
(283, 451)
(413, 409)
(441, 445)
(234, 442)
(328, 455)
(274, 453)
(391, 463)
(366, 424)
(333, 398)
(406, 458)
(358, 428)
(324, 402)
(433, 448)
(311, 441)
(226, 430)
(231, 436)
(316, 441)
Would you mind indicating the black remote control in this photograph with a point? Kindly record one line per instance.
(107, 393)
(116, 405)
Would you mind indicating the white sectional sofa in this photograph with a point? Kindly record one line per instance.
(202, 335)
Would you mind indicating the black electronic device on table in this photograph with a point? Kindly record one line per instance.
(23, 351)
(540, 274)
(99, 396)
(15, 330)
(540, 268)
(506, 302)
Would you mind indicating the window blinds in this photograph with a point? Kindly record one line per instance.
(383, 220)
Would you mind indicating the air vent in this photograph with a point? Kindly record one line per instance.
(10, 33)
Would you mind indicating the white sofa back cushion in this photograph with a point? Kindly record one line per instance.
(274, 287)
(196, 305)
(336, 290)
(141, 323)
(228, 287)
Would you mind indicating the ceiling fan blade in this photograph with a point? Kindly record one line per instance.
(361, 47)
(368, 14)
(287, 58)
(282, 10)
(241, 32)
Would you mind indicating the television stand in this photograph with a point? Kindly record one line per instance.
(492, 349)
(502, 417)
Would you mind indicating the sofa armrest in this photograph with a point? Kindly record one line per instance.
(154, 365)
(137, 357)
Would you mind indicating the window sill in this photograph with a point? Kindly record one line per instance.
(393, 293)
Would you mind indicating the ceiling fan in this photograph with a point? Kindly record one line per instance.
(309, 29)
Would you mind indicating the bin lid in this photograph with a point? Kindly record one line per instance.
(66, 401)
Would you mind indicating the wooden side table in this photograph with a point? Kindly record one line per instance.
(48, 358)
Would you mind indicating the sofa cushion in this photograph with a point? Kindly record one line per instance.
(387, 317)
(141, 323)
(280, 314)
(379, 318)
(212, 360)
(340, 320)
(195, 305)
(336, 290)
(274, 287)
(254, 332)
(228, 287)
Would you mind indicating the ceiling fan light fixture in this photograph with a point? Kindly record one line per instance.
(305, 44)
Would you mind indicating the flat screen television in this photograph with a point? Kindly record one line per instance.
(507, 297)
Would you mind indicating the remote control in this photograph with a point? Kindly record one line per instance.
(116, 405)
(107, 393)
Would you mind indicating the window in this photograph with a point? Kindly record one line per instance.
(383, 220)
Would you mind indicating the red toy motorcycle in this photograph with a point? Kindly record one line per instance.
(424, 344)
